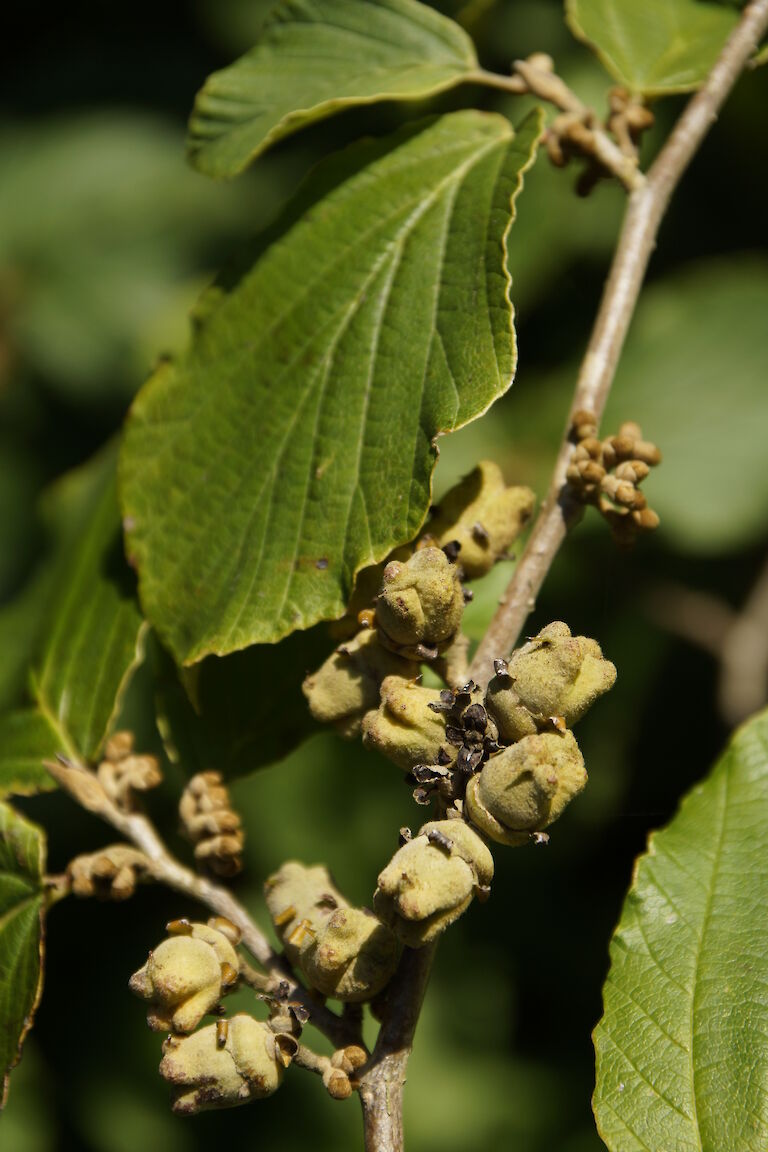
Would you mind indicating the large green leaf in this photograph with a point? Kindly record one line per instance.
(654, 47)
(87, 636)
(294, 443)
(22, 907)
(682, 1049)
(315, 57)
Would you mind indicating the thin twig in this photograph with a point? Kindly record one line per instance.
(383, 1078)
(84, 786)
(644, 213)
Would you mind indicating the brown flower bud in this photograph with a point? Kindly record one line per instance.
(484, 516)
(431, 880)
(122, 774)
(526, 787)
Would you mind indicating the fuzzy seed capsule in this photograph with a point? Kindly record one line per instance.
(344, 952)
(431, 880)
(185, 976)
(205, 1073)
(346, 686)
(404, 728)
(555, 674)
(526, 787)
(483, 499)
(420, 605)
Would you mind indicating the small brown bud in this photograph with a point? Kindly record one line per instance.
(646, 518)
(337, 1083)
(647, 452)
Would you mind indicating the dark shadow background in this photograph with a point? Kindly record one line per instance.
(105, 240)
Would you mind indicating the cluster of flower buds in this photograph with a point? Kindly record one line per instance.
(211, 823)
(343, 952)
(608, 474)
(187, 974)
(112, 873)
(627, 119)
(431, 880)
(122, 773)
(225, 1064)
(344, 1063)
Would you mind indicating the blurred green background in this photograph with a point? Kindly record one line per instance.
(106, 238)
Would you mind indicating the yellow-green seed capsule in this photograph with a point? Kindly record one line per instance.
(554, 674)
(420, 605)
(182, 978)
(483, 516)
(206, 1074)
(431, 880)
(346, 686)
(352, 956)
(344, 952)
(404, 728)
(526, 787)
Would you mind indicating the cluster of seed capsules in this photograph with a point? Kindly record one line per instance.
(608, 473)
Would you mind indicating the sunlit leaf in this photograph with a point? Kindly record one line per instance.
(294, 442)
(682, 1049)
(654, 47)
(315, 57)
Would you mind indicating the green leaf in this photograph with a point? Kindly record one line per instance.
(653, 47)
(294, 442)
(682, 1049)
(240, 712)
(694, 377)
(96, 631)
(315, 57)
(27, 738)
(22, 908)
(86, 631)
